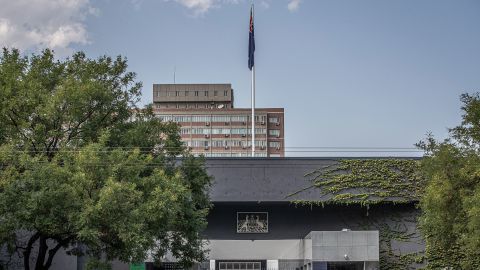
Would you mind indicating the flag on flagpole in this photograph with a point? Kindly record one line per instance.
(251, 42)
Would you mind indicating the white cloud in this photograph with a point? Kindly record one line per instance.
(36, 24)
(294, 5)
(200, 7)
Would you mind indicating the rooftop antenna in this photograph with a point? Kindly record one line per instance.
(174, 73)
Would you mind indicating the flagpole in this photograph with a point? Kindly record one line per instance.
(253, 111)
(253, 97)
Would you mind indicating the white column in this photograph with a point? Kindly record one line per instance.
(272, 264)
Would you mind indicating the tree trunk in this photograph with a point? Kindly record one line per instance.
(28, 250)
(42, 252)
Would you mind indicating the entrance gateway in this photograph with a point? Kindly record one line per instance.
(319, 250)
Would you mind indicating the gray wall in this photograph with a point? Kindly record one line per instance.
(267, 179)
(288, 221)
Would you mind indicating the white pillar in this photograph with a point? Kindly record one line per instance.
(272, 264)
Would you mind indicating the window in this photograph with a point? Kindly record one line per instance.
(201, 118)
(206, 93)
(274, 144)
(225, 93)
(169, 94)
(186, 93)
(238, 131)
(198, 143)
(274, 132)
(273, 120)
(181, 118)
(220, 118)
(196, 93)
(260, 118)
(177, 93)
(239, 118)
(215, 93)
(258, 131)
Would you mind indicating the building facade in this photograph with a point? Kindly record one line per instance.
(211, 126)
(258, 223)
(268, 216)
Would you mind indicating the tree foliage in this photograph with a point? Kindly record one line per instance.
(80, 164)
(451, 203)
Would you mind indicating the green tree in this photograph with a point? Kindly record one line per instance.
(451, 204)
(80, 164)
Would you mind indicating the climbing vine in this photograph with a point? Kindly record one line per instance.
(373, 182)
(368, 181)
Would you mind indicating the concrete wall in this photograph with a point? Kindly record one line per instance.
(345, 246)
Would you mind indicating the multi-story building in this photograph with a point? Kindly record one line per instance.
(210, 125)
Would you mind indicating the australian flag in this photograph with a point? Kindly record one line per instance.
(251, 42)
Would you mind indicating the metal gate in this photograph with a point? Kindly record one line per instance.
(239, 266)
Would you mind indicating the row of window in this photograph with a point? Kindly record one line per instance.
(193, 93)
(223, 143)
(221, 131)
(215, 118)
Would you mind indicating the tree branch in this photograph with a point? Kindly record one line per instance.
(20, 131)
(54, 250)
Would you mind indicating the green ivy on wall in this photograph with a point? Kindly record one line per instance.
(370, 182)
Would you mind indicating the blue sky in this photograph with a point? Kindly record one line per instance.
(348, 73)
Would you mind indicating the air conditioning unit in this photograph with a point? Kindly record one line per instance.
(244, 122)
(278, 147)
(263, 123)
(206, 147)
(227, 135)
(207, 136)
(277, 124)
(262, 147)
(207, 123)
(278, 136)
(226, 146)
(227, 123)
(244, 147)
(244, 135)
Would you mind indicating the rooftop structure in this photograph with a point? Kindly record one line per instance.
(193, 96)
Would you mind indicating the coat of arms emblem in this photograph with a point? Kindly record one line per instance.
(252, 222)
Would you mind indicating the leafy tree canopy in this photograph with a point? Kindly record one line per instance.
(451, 203)
(81, 164)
